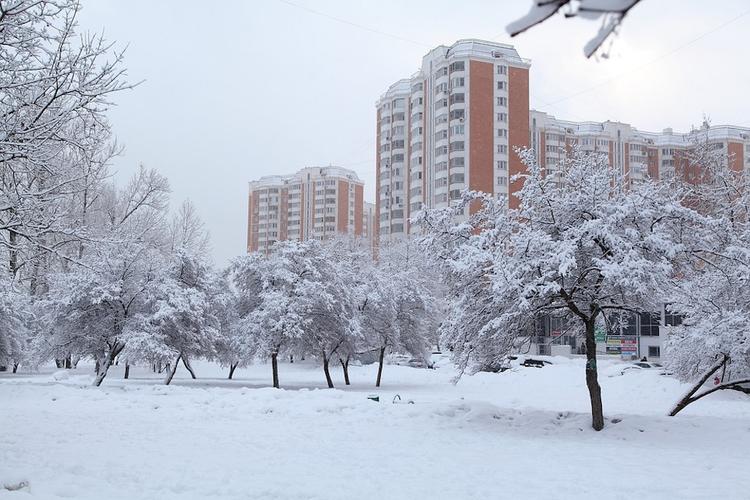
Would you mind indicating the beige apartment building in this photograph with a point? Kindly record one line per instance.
(314, 203)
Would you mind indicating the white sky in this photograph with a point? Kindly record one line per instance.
(239, 89)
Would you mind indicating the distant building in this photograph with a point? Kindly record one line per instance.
(635, 154)
(369, 223)
(314, 203)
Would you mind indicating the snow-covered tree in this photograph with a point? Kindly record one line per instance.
(579, 246)
(397, 308)
(277, 323)
(177, 321)
(95, 305)
(611, 12)
(14, 325)
(237, 345)
(55, 88)
(712, 295)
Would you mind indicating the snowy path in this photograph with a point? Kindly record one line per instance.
(491, 436)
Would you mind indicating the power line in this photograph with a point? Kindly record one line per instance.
(353, 24)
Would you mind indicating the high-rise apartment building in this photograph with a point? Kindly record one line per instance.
(451, 126)
(314, 203)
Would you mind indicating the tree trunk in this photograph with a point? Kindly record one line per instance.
(291, 358)
(97, 366)
(59, 364)
(380, 366)
(187, 365)
(232, 368)
(102, 367)
(275, 368)
(127, 370)
(170, 373)
(345, 367)
(15, 367)
(592, 382)
(327, 372)
(68, 362)
(688, 398)
(12, 251)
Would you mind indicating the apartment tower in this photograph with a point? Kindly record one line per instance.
(314, 203)
(451, 126)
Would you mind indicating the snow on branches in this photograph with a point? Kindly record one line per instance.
(611, 12)
(579, 247)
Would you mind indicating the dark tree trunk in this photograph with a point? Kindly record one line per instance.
(291, 358)
(232, 368)
(68, 362)
(127, 370)
(187, 365)
(688, 398)
(60, 364)
(327, 372)
(275, 368)
(170, 373)
(380, 366)
(13, 252)
(592, 382)
(345, 368)
(15, 367)
(97, 365)
(103, 367)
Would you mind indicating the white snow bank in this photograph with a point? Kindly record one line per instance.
(481, 438)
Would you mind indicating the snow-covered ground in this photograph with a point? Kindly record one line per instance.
(520, 434)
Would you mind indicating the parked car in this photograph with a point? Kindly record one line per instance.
(641, 365)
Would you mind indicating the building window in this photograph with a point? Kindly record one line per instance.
(502, 132)
(500, 85)
(649, 324)
(502, 70)
(654, 351)
(502, 117)
(672, 319)
(457, 146)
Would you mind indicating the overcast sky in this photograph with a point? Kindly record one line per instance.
(236, 90)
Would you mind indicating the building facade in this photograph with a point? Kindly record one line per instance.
(636, 155)
(451, 126)
(314, 203)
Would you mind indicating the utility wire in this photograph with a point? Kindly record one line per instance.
(350, 23)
